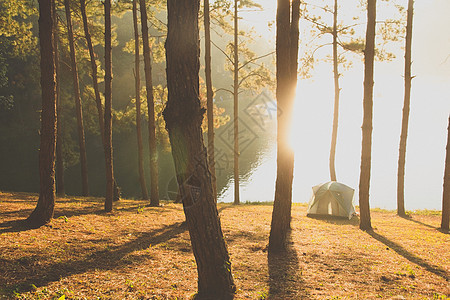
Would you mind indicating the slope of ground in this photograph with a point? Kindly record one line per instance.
(141, 252)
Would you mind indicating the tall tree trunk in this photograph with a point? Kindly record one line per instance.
(446, 193)
(294, 40)
(336, 96)
(209, 98)
(108, 110)
(94, 75)
(405, 117)
(60, 189)
(138, 104)
(154, 192)
(44, 210)
(236, 106)
(366, 149)
(287, 53)
(183, 115)
(78, 107)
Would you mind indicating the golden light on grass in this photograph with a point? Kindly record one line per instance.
(143, 252)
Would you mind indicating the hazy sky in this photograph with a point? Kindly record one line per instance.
(430, 108)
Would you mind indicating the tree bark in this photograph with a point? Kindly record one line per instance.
(138, 104)
(44, 210)
(94, 75)
(154, 192)
(446, 192)
(236, 106)
(294, 40)
(108, 110)
(60, 188)
(209, 98)
(405, 117)
(366, 149)
(336, 96)
(287, 53)
(78, 106)
(183, 115)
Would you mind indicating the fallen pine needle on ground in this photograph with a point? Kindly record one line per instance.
(143, 252)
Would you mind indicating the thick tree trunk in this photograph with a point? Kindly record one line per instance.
(78, 107)
(60, 188)
(336, 96)
(138, 104)
(183, 115)
(209, 98)
(287, 53)
(108, 110)
(44, 210)
(236, 106)
(366, 150)
(446, 193)
(154, 191)
(405, 117)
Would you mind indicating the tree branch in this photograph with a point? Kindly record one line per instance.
(249, 75)
(224, 53)
(225, 90)
(254, 59)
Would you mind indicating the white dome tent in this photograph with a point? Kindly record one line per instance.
(332, 199)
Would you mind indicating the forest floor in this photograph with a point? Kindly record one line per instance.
(142, 252)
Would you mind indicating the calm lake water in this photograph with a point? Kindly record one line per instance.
(311, 140)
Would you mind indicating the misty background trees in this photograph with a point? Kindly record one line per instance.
(22, 118)
(88, 28)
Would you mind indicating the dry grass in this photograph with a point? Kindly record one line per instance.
(139, 252)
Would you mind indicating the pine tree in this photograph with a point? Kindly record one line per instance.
(108, 110)
(98, 101)
(154, 191)
(138, 104)
(60, 186)
(336, 95)
(446, 191)
(209, 97)
(44, 210)
(405, 117)
(366, 150)
(287, 57)
(78, 106)
(183, 115)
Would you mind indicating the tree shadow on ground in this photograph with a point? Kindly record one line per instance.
(106, 259)
(6, 214)
(20, 224)
(226, 206)
(410, 218)
(17, 225)
(96, 208)
(244, 236)
(285, 281)
(354, 221)
(410, 256)
(22, 196)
